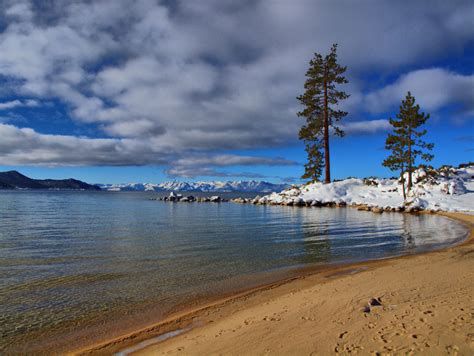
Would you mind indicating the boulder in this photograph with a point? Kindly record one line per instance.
(214, 199)
(412, 209)
(298, 202)
(377, 210)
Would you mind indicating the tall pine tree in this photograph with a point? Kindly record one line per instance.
(320, 100)
(406, 142)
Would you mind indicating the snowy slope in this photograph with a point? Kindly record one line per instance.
(446, 190)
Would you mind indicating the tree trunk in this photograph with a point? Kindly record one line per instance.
(326, 132)
(403, 184)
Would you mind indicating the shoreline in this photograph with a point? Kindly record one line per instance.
(191, 320)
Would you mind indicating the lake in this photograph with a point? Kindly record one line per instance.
(75, 266)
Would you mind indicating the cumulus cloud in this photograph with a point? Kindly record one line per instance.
(18, 103)
(192, 172)
(24, 146)
(233, 160)
(163, 82)
(366, 127)
(193, 166)
(433, 89)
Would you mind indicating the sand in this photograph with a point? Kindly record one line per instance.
(427, 307)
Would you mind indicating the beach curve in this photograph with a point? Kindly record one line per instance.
(427, 306)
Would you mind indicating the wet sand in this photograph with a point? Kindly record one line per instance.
(427, 306)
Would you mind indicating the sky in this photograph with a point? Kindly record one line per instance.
(148, 91)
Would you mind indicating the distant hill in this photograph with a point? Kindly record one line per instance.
(229, 186)
(16, 180)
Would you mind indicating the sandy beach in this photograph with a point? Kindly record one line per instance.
(426, 306)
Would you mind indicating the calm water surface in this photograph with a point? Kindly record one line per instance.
(72, 260)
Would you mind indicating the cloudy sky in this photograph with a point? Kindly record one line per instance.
(118, 91)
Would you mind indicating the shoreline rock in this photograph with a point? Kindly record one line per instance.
(175, 197)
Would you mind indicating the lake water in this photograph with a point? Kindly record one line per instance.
(74, 263)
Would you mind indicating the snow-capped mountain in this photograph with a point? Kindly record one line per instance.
(229, 186)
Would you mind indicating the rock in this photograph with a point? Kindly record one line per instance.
(412, 209)
(316, 203)
(215, 199)
(308, 202)
(375, 302)
(387, 208)
(298, 202)
(377, 210)
(363, 207)
(341, 204)
(329, 204)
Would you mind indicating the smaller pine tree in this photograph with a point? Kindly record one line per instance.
(405, 142)
(314, 166)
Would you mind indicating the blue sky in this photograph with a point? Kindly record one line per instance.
(114, 91)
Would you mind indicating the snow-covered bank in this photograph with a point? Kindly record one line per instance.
(447, 189)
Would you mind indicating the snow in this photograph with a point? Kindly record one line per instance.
(228, 186)
(442, 190)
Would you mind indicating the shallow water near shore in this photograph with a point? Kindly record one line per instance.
(72, 261)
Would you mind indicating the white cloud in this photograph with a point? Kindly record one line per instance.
(366, 127)
(433, 89)
(18, 103)
(232, 160)
(192, 172)
(24, 146)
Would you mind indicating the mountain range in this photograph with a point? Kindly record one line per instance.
(229, 186)
(16, 180)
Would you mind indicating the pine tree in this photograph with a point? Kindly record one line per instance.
(405, 142)
(320, 99)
